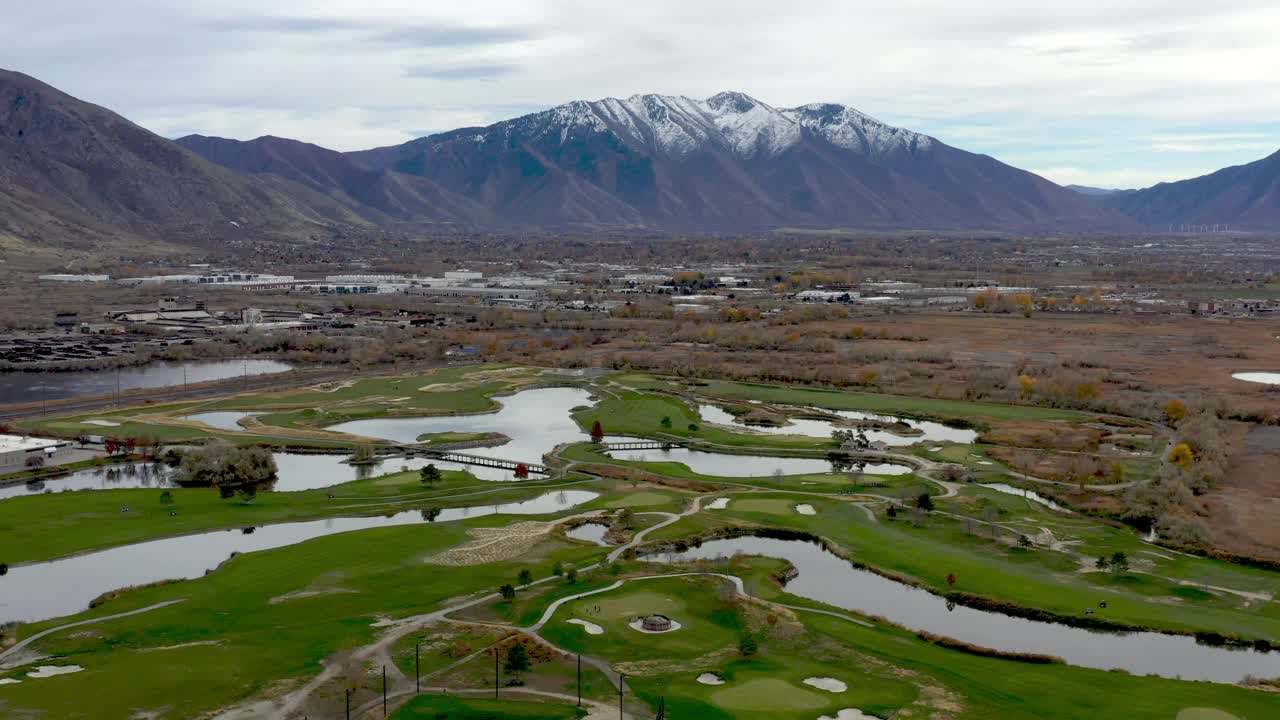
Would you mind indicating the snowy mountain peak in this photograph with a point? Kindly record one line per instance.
(735, 121)
(853, 130)
(732, 101)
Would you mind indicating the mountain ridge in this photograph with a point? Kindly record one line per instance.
(1246, 196)
(74, 174)
(732, 161)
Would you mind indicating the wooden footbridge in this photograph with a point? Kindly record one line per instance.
(644, 445)
(469, 459)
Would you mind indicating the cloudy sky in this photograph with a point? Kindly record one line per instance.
(1116, 93)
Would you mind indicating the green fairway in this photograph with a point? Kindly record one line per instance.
(851, 400)
(436, 707)
(260, 618)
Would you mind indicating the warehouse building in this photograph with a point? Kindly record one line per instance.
(18, 452)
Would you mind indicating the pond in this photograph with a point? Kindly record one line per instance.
(1028, 494)
(728, 465)
(591, 532)
(535, 420)
(809, 427)
(25, 386)
(63, 587)
(826, 578)
(1266, 378)
(294, 472)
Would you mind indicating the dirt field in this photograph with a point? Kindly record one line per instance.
(1178, 354)
(1244, 512)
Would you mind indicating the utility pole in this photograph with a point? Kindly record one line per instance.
(417, 667)
(384, 691)
(348, 703)
(622, 678)
(495, 673)
(579, 679)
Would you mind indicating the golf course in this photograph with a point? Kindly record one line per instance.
(759, 551)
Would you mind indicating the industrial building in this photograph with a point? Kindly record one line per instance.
(18, 452)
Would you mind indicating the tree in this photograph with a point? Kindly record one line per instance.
(1027, 385)
(571, 577)
(1103, 563)
(111, 446)
(35, 462)
(525, 577)
(1175, 411)
(363, 454)
(4, 569)
(951, 579)
(891, 512)
(748, 645)
(1119, 562)
(130, 444)
(517, 660)
(597, 432)
(557, 569)
(429, 475)
(226, 467)
(1024, 541)
(166, 498)
(666, 422)
(1182, 456)
(924, 502)
(522, 471)
(430, 514)
(507, 591)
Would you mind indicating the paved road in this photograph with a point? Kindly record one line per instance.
(76, 406)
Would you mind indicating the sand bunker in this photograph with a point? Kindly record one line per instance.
(1203, 713)
(826, 683)
(590, 627)
(848, 714)
(163, 648)
(710, 679)
(9, 681)
(638, 626)
(476, 379)
(48, 671)
(806, 509)
(494, 544)
(100, 422)
(718, 504)
(300, 594)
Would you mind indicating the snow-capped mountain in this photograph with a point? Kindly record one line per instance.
(731, 161)
(680, 125)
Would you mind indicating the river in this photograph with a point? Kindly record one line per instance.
(826, 578)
